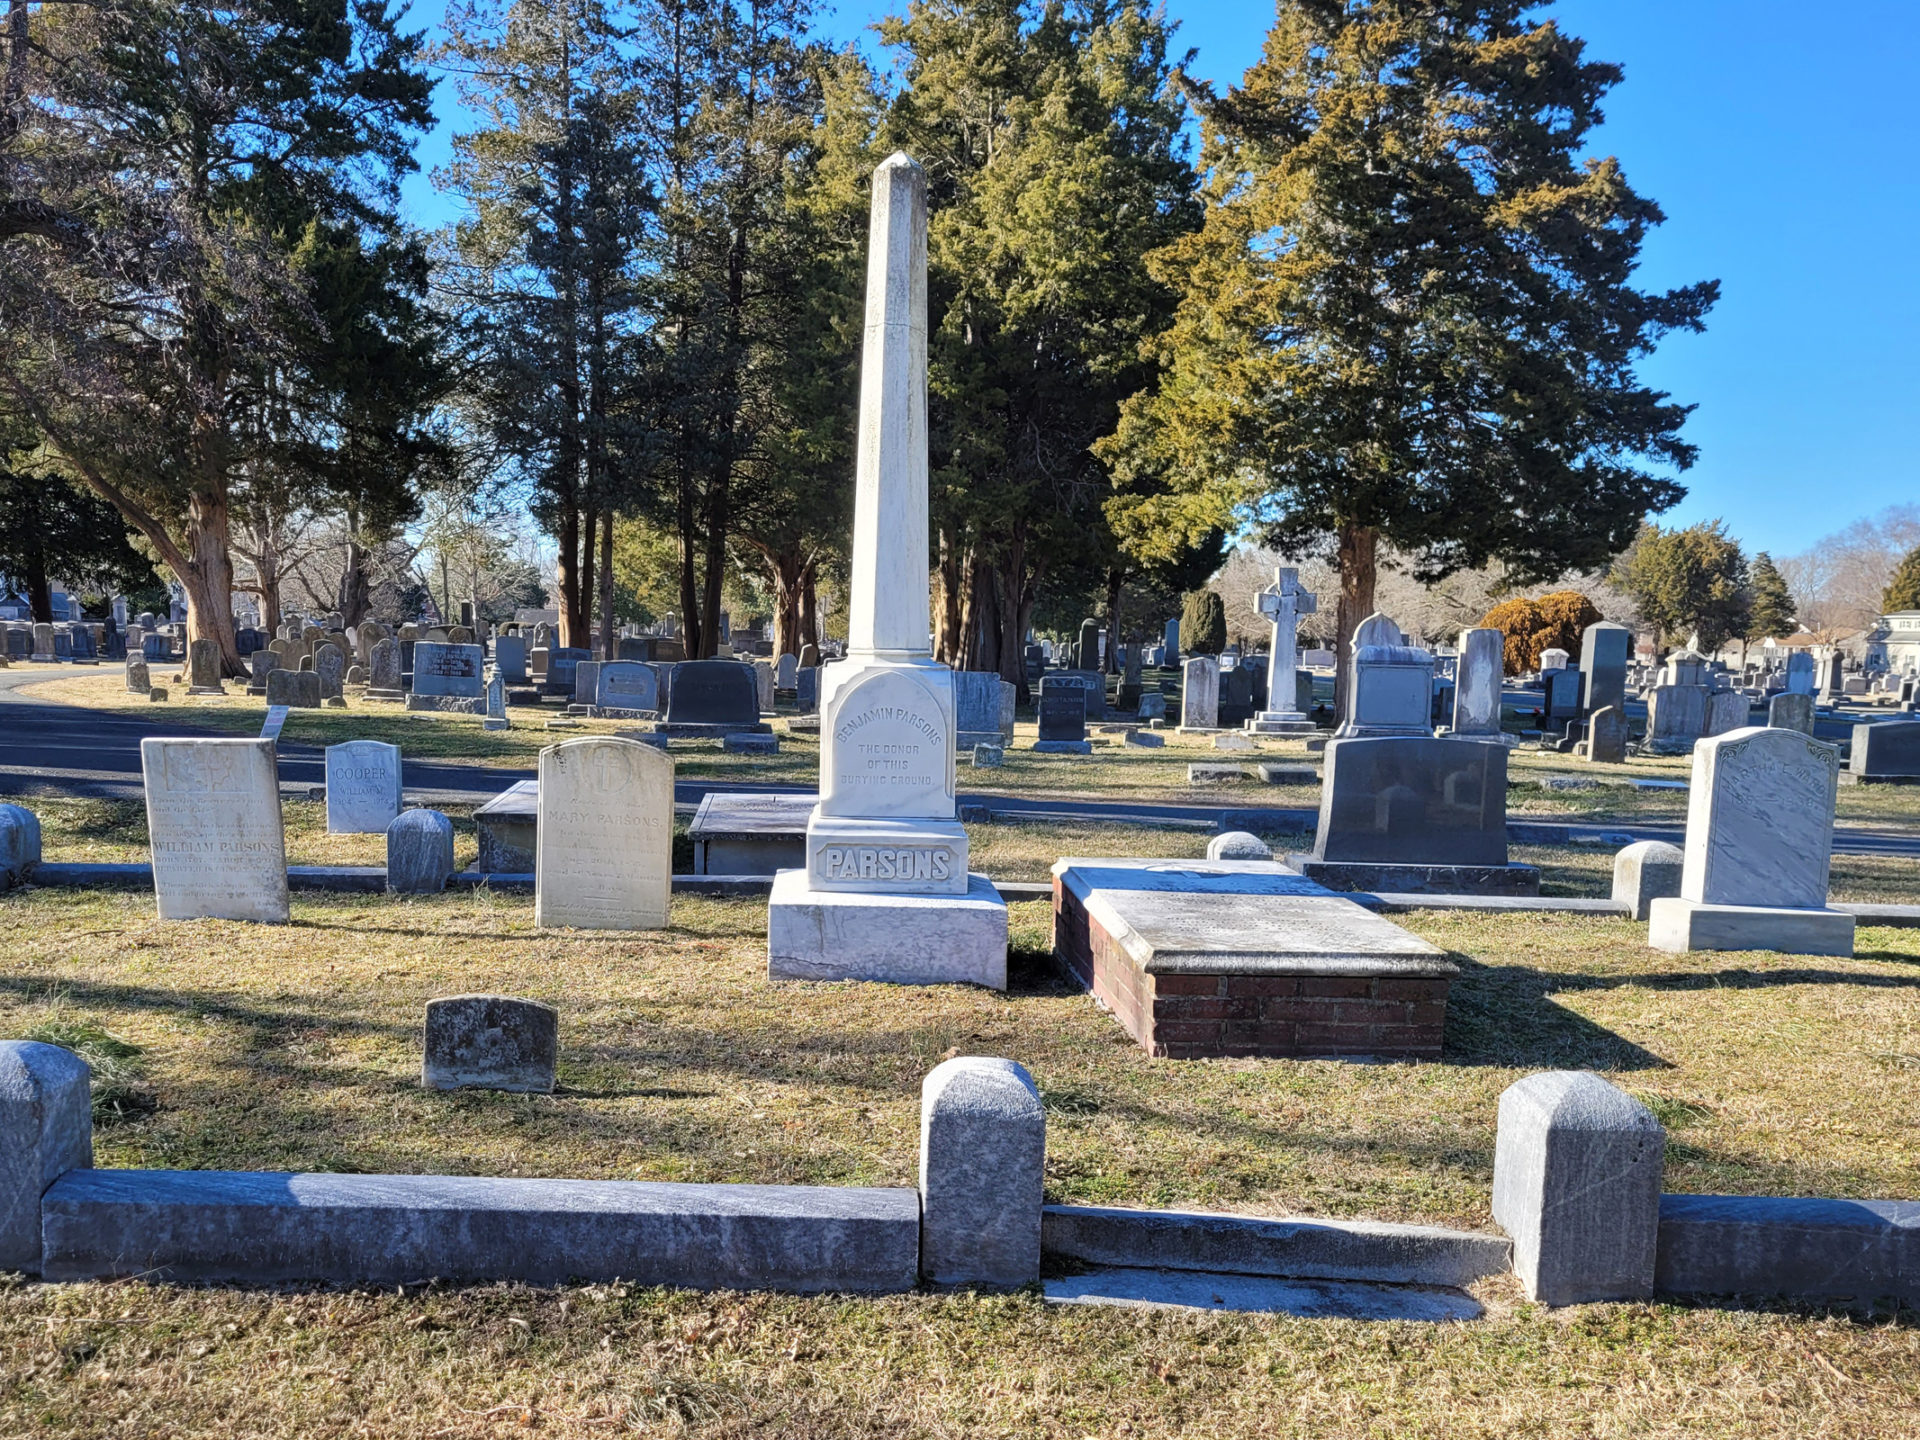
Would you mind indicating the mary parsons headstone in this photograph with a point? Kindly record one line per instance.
(363, 787)
(214, 827)
(1759, 841)
(604, 858)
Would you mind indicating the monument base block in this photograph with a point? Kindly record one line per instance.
(898, 939)
(1061, 747)
(447, 704)
(886, 857)
(693, 730)
(1281, 722)
(1352, 875)
(1678, 926)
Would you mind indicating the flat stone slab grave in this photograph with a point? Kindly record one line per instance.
(750, 834)
(1199, 959)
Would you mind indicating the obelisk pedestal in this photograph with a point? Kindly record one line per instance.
(886, 893)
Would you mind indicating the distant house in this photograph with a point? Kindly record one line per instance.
(1895, 642)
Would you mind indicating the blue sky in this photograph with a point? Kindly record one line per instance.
(1786, 155)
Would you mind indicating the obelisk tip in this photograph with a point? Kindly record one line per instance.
(899, 160)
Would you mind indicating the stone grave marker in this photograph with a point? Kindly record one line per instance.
(1063, 720)
(299, 689)
(605, 836)
(786, 672)
(1415, 814)
(1759, 843)
(1200, 694)
(139, 680)
(363, 787)
(510, 654)
(1477, 681)
(214, 828)
(1886, 750)
(447, 677)
(203, 668)
(330, 664)
(1727, 710)
(1604, 651)
(490, 1042)
(1676, 718)
(1392, 689)
(713, 697)
(763, 684)
(806, 689)
(1791, 710)
(1607, 736)
(419, 853)
(1553, 658)
(976, 698)
(260, 662)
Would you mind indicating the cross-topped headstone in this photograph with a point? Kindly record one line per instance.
(1283, 603)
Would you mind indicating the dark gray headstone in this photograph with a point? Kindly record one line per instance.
(1605, 649)
(713, 692)
(1414, 800)
(1887, 750)
(563, 669)
(1062, 710)
(490, 1042)
(446, 669)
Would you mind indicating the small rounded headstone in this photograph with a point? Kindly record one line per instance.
(19, 843)
(1238, 845)
(1645, 871)
(419, 853)
(490, 1042)
(988, 757)
(158, 692)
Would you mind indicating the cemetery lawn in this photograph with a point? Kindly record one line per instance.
(222, 1045)
(1112, 772)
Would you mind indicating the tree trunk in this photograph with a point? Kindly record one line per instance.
(716, 562)
(1115, 579)
(948, 637)
(589, 530)
(787, 572)
(566, 575)
(609, 642)
(1358, 554)
(209, 578)
(689, 573)
(1013, 611)
(354, 597)
(39, 586)
(810, 610)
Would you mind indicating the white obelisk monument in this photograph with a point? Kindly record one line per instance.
(1283, 603)
(886, 894)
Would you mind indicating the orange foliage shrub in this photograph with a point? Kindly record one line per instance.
(1551, 622)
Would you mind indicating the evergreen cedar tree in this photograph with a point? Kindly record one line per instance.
(1773, 608)
(160, 333)
(1903, 591)
(1409, 314)
(1203, 624)
(1550, 622)
(1689, 581)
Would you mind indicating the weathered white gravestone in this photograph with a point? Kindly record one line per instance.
(203, 668)
(604, 842)
(214, 827)
(886, 894)
(1200, 693)
(1476, 683)
(363, 787)
(1283, 603)
(1759, 839)
(1391, 691)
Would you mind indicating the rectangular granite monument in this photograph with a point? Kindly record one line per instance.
(886, 893)
(1759, 843)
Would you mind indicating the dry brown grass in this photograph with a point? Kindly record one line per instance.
(296, 1048)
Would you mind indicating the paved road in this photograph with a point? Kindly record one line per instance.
(46, 747)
